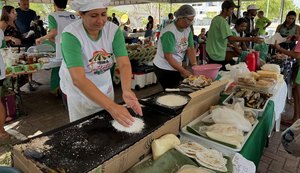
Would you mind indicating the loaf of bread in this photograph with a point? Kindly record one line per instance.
(268, 74)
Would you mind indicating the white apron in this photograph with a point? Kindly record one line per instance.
(98, 58)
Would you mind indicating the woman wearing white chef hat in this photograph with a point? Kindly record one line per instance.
(89, 46)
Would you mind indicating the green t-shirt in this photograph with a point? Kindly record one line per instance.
(216, 43)
(73, 55)
(52, 22)
(260, 24)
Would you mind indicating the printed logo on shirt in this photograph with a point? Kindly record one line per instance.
(182, 46)
(72, 16)
(100, 62)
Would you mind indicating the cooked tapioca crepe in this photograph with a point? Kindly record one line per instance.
(172, 100)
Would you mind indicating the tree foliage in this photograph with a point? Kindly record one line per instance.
(274, 7)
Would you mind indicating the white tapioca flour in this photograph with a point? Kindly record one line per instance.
(136, 127)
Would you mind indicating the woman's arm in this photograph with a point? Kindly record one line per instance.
(125, 73)
(51, 34)
(90, 90)
(177, 66)
(287, 52)
(278, 28)
(16, 41)
(245, 39)
(191, 53)
(297, 30)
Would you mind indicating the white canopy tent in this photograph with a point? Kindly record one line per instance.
(130, 2)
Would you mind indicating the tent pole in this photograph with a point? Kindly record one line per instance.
(159, 13)
(239, 9)
(282, 9)
(268, 5)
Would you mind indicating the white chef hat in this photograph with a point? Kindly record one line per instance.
(87, 5)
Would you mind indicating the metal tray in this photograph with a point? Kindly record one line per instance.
(188, 130)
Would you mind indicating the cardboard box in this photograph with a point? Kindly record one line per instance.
(118, 163)
(201, 101)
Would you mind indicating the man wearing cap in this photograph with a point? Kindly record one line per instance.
(219, 33)
(89, 47)
(251, 13)
(176, 40)
(58, 20)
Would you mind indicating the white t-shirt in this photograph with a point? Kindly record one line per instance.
(2, 65)
(63, 19)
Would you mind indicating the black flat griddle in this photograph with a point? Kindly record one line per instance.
(83, 145)
(173, 111)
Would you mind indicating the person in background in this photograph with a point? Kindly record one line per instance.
(11, 32)
(168, 21)
(175, 41)
(202, 35)
(85, 71)
(244, 14)
(149, 27)
(220, 33)
(23, 22)
(115, 20)
(40, 25)
(262, 23)
(235, 49)
(3, 134)
(289, 28)
(251, 13)
(295, 53)
(57, 22)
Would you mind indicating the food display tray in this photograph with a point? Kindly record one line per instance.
(188, 130)
(176, 110)
(259, 112)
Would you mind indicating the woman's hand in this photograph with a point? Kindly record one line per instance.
(39, 40)
(121, 114)
(257, 40)
(16, 41)
(293, 37)
(276, 46)
(186, 74)
(131, 101)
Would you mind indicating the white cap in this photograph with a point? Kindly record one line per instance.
(252, 7)
(87, 5)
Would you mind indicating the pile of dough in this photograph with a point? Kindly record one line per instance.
(163, 144)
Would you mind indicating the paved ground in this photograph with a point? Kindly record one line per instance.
(46, 112)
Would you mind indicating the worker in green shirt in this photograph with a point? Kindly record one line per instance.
(219, 33)
(262, 23)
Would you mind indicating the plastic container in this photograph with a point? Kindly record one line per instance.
(208, 70)
(251, 61)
